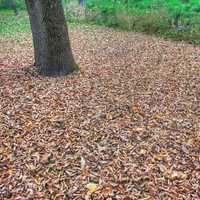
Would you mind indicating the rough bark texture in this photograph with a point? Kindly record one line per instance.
(53, 54)
(33, 7)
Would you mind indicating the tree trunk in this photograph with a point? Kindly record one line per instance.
(81, 2)
(52, 49)
(14, 7)
(35, 17)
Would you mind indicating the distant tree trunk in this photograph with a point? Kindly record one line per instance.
(52, 49)
(178, 15)
(14, 7)
(34, 11)
(176, 20)
(81, 2)
(10, 4)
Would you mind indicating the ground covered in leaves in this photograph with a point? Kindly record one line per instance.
(127, 126)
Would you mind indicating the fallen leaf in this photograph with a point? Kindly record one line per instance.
(157, 117)
(160, 157)
(109, 116)
(138, 110)
(29, 126)
(83, 163)
(143, 152)
(149, 198)
(175, 175)
(92, 187)
(107, 191)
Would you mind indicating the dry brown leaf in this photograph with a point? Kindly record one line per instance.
(42, 119)
(107, 191)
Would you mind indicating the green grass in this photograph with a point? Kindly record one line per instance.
(152, 22)
(11, 24)
(151, 16)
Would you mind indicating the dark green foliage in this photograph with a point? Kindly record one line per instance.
(11, 24)
(8, 3)
(174, 10)
(179, 19)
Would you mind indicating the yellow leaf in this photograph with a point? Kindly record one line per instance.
(138, 129)
(10, 171)
(159, 157)
(29, 126)
(149, 198)
(19, 138)
(130, 146)
(183, 175)
(37, 181)
(195, 69)
(143, 151)
(150, 126)
(109, 116)
(157, 117)
(92, 187)
(175, 175)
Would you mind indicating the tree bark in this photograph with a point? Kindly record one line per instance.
(81, 2)
(14, 7)
(34, 10)
(53, 54)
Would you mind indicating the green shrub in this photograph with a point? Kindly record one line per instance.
(8, 3)
(169, 18)
(172, 18)
(11, 24)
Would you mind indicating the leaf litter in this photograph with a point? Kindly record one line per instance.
(127, 126)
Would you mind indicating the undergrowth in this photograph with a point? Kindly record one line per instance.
(175, 19)
(11, 24)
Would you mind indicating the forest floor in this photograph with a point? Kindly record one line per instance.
(127, 126)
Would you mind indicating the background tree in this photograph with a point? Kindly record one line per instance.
(13, 5)
(82, 2)
(9, 4)
(52, 49)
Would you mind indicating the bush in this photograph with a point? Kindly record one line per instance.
(169, 18)
(8, 4)
(172, 18)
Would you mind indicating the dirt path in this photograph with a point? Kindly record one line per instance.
(129, 121)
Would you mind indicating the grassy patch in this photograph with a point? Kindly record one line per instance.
(153, 21)
(11, 24)
(175, 19)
